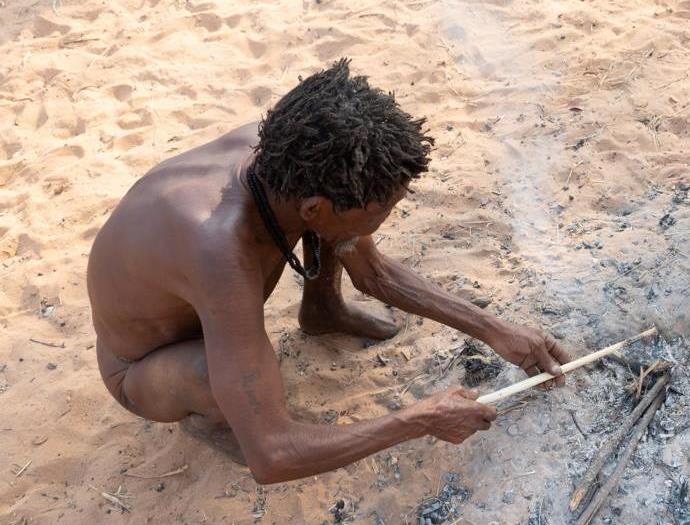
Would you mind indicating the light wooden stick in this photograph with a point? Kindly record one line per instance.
(503, 393)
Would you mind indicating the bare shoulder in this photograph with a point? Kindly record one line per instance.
(222, 257)
(238, 141)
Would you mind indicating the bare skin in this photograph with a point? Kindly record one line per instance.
(177, 280)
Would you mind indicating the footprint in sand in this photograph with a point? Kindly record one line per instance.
(122, 92)
(48, 74)
(209, 21)
(186, 91)
(192, 122)
(10, 170)
(260, 95)
(90, 15)
(67, 151)
(332, 47)
(67, 128)
(127, 142)
(27, 246)
(256, 48)
(135, 119)
(679, 126)
(44, 27)
(10, 149)
(233, 21)
(208, 6)
(32, 116)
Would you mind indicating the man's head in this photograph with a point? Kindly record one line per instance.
(343, 150)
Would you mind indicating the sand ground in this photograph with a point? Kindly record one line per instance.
(558, 189)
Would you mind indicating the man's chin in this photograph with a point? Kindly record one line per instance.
(346, 246)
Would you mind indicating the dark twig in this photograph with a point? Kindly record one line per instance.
(577, 425)
(605, 451)
(52, 345)
(611, 483)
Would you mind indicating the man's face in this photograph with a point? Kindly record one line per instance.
(335, 228)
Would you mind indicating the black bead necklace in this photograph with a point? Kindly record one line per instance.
(271, 223)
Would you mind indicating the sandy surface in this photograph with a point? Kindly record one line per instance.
(563, 140)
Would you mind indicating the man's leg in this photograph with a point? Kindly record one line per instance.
(171, 384)
(323, 309)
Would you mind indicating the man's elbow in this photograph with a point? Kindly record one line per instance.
(267, 476)
(271, 467)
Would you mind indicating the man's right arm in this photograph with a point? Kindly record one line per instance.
(247, 385)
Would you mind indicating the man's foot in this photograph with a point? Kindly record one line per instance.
(320, 319)
(216, 435)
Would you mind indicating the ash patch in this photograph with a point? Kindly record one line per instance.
(444, 507)
(654, 478)
(479, 366)
(538, 513)
(343, 512)
(679, 501)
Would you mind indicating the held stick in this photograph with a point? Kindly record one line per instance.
(498, 395)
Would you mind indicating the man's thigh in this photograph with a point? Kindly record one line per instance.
(167, 384)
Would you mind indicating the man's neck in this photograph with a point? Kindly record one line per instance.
(286, 211)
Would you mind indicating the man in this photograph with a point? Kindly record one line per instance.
(179, 274)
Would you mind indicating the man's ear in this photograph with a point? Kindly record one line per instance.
(312, 207)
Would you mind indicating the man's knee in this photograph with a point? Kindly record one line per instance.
(200, 369)
(114, 372)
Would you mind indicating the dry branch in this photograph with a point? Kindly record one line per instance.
(598, 500)
(588, 479)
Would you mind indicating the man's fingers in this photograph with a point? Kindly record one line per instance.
(557, 351)
(547, 362)
(560, 355)
(532, 370)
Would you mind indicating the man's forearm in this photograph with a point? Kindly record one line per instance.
(301, 449)
(398, 286)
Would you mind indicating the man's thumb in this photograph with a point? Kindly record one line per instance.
(469, 393)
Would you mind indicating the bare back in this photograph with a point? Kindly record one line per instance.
(138, 276)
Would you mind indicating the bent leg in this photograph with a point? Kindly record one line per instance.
(170, 384)
(323, 309)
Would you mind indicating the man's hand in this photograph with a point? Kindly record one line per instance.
(532, 350)
(453, 415)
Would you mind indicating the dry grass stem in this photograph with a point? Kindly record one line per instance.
(19, 470)
(175, 472)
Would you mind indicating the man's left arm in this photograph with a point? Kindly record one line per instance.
(389, 281)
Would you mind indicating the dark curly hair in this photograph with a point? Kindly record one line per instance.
(335, 136)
